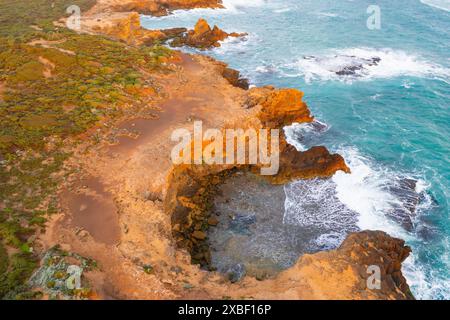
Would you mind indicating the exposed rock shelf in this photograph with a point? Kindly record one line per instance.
(203, 36)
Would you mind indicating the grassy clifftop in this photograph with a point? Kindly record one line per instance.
(54, 84)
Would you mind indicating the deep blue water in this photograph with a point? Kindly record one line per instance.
(390, 120)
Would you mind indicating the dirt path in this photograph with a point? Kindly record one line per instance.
(114, 212)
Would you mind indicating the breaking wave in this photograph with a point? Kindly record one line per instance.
(237, 4)
(370, 198)
(353, 64)
(314, 204)
(439, 4)
(303, 135)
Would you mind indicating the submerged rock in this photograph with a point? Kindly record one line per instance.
(213, 221)
(240, 223)
(236, 273)
(405, 212)
(358, 64)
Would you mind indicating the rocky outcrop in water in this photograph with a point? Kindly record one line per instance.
(404, 212)
(348, 66)
(316, 162)
(357, 66)
(345, 273)
(126, 27)
(203, 36)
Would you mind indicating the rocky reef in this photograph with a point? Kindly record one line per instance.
(203, 36)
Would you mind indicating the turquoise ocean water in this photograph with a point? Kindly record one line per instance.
(389, 116)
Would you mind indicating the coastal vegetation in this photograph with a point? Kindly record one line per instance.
(54, 84)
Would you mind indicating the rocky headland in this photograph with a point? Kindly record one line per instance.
(145, 221)
(121, 21)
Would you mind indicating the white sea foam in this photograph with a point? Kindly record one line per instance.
(427, 284)
(360, 61)
(375, 97)
(291, 132)
(329, 241)
(364, 191)
(234, 44)
(229, 7)
(313, 203)
(236, 4)
(407, 84)
(327, 14)
(300, 135)
(439, 4)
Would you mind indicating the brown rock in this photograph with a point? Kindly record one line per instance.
(174, 32)
(199, 235)
(283, 107)
(213, 221)
(234, 78)
(317, 162)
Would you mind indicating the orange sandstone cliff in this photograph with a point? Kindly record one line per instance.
(203, 36)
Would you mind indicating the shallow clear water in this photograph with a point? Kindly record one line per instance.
(256, 230)
(390, 119)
